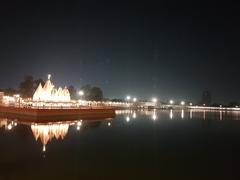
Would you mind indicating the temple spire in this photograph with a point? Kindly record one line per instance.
(49, 76)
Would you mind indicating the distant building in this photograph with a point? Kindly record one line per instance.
(206, 98)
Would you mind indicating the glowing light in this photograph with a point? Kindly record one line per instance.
(182, 114)
(78, 128)
(79, 123)
(220, 115)
(81, 93)
(171, 102)
(182, 103)
(154, 100)
(127, 118)
(15, 123)
(154, 117)
(128, 98)
(190, 104)
(134, 99)
(9, 126)
(16, 95)
(109, 124)
(171, 114)
(44, 148)
(134, 115)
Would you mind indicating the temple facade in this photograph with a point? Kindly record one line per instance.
(48, 93)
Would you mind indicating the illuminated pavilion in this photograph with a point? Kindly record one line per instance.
(48, 93)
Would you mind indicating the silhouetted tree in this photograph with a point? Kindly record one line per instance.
(96, 94)
(92, 93)
(37, 82)
(26, 88)
(73, 92)
(233, 104)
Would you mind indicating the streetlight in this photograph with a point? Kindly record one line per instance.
(171, 102)
(154, 100)
(81, 93)
(128, 98)
(182, 103)
(134, 99)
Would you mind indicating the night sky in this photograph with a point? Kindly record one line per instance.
(169, 49)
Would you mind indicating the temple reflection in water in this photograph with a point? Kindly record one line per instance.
(47, 132)
(56, 130)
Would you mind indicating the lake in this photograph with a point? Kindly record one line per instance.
(167, 144)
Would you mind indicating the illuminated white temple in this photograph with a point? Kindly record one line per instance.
(49, 93)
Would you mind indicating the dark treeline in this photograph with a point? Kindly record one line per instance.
(28, 86)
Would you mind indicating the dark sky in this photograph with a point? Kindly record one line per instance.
(169, 49)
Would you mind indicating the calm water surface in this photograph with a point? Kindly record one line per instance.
(134, 145)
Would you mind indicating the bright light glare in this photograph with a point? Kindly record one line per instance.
(127, 118)
(134, 115)
(154, 100)
(171, 114)
(109, 124)
(134, 99)
(128, 98)
(9, 126)
(81, 93)
(182, 103)
(79, 123)
(154, 117)
(182, 114)
(171, 101)
(44, 148)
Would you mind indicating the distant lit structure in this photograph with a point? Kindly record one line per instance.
(48, 93)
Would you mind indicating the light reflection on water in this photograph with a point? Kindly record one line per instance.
(46, 132)
(133, 135)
